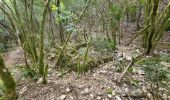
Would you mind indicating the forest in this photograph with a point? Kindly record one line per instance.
(84, 49)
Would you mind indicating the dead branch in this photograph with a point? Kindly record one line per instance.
(124, 72)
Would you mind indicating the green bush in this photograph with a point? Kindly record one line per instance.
(156, 71)
(102, 44)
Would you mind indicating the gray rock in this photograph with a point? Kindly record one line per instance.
(62, 97)
(68, 90)
(99, 98)
(117, 98)
(109, 95)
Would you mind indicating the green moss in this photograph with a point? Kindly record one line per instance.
(109, 91)
(8, 82)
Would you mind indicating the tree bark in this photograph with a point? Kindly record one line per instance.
(8, 81)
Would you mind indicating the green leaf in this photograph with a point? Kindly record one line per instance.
(62, 6)
(54, 7)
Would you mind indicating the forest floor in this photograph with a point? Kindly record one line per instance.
(98, 84)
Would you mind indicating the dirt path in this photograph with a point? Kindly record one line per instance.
(13, 57)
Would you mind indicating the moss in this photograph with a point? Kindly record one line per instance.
(8, 81)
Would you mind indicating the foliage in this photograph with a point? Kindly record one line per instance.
(109, 91)
(157, 74)
(116, 12)
(29, 73)
(102, 44)
(71, 30)
(156, 71)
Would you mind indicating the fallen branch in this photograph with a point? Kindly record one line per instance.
(133, 61)
(124, 72)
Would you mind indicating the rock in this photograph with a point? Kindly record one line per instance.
(155, 52)
(68, 90)
(102, 72)
(109, 95)
(62, 97)
(168, 97)
(80, 86)
(85, 91)
(127, 90)
(71, 98)
(40, 80)
(138, 51)
(141, 72)
(120, 54)
(117, 98)
(120, 59)
(94, 74)
(113, 93)
(149, 95)
(91, 95)
(99, 98)
(129, 58)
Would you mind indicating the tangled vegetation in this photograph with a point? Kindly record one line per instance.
(81, 35)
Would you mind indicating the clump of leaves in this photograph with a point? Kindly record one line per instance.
(4, 41)
(109, 91)
(29, 73)
(155, 70)
(102, 44)
(156, 73)
(116, 11)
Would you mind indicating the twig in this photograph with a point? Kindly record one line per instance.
(82, 13)
(121, 76)
(138, 34)
(133, 61)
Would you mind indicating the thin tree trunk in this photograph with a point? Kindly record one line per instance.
(41, 55)
(8, 81)
(153, 26)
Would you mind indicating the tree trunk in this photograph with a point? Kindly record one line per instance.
(8, 81)
(153, 26)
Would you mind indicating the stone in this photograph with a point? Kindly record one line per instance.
(109, 95)
(117, 98)
(99, 98)
(68, 90)
(62, 97)
(40, 80)
(113, 93)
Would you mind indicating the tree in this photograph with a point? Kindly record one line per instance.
(8, 81)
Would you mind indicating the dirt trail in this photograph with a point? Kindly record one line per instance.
(13, 57)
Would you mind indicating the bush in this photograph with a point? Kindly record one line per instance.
(155, 70)
(157, 74)
(102, 44)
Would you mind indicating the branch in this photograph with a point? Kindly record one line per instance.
(124, 72)
(138, 33)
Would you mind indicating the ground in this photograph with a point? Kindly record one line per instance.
(93, 85)
(98, 84)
